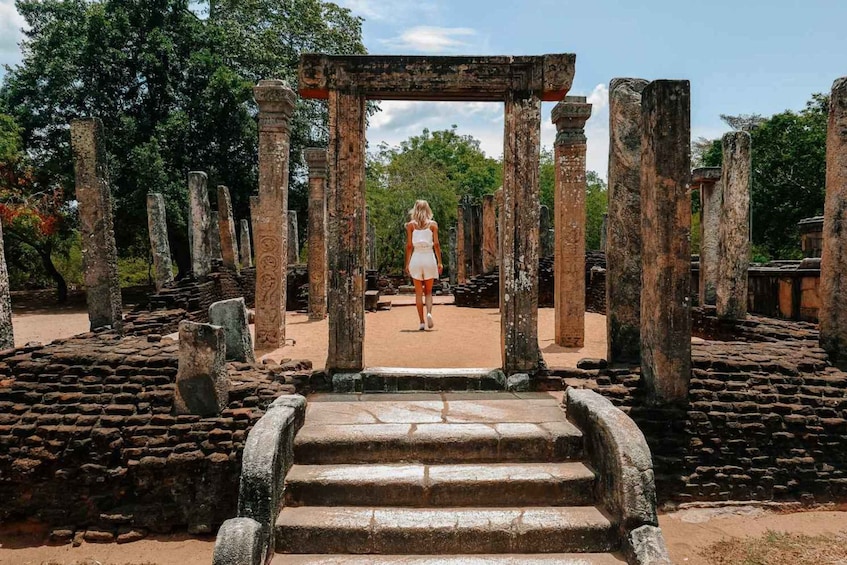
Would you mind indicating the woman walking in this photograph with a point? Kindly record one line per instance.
(422, 249)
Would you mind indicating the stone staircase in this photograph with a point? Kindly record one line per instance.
(447, 478)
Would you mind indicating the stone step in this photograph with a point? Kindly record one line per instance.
(403, 379)
(506, 559)
(498, 484)
(322, 444)
(444, 531)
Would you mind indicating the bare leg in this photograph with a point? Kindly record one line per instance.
(419, 298)
(428, 293)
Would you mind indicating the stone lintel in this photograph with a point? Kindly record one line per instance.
(706, 175)
(452, 78)
(316, 160)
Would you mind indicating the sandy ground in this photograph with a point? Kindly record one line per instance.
(687, 533)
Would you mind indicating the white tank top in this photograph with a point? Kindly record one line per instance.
(422, 239)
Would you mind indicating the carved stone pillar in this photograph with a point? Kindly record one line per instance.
(570, 116)
(734, 235)
(346, 243)
(519, 304)
(97, 232)
(708, 180)
(623, 235)
(665, 232)
(316, 160)
(157, 225)
(276, 104)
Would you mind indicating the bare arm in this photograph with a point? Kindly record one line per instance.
(409, 247)
(436, 246)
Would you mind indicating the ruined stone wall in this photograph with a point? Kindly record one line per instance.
(764, 421)
(88, 440)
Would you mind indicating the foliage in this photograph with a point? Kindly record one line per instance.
(743, 122)
(174, 92)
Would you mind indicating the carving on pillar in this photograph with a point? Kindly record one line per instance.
(157, 225)
(229, 249)
(97, 232)
(316, 159)
(270, 212)
(570, 116)
(665, 232)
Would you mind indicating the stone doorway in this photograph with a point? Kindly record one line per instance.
(521, 84)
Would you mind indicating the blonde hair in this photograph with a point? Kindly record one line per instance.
(421, 213)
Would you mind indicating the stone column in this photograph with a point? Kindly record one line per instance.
(461, 261)
(519, 305)
(157, 226)
(245, 249)
(293, 239)
(603, 230)
(451, 257)
(370, 253)
(665, 230)
(346, 243)
(202, 384)
(570, 116)
(734, 236)
(623, 235)
(833, 290)
(276, 104)
(498, 204)
(229, 249)
(199, 220)
(546, 240)
(475, 230)
(489, 234)
(7, 336)
(215, 235)
(99, 255)
(316, 160)
(708, 180)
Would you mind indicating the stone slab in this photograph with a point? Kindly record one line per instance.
(490, 559)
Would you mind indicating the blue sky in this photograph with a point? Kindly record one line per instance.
(741, 56)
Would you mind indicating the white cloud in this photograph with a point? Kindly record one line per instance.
(389, 10)
(431, 39)
(11, 23)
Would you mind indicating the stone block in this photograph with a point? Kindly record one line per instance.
(202, 384)
(519, 382)
(232, 316)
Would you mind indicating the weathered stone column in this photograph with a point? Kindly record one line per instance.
(546, 237)
(451, 257)
(519, 305)
(215, 235)
(461, 260)
(603, 230)
(498, 209)
(7, 336)
(293, 239)
(316, 160)
(97, 232)
(665, 231)
(270, 217)
(370, 252)
(570, 116)
(245, 249)
(231, 315)
(202, 383)
(199, 222)
(157, 225)
(708, 179)
(475, 251)
(489, 234)
(833, 290)
(346, 243)
(623, 235)
(229, 249)
(734, 236)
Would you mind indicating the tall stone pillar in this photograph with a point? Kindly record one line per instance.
(215, 235)
(245, 249)
(603, 231)
(734, 246)
(293, 239)
(7, 336)
(157, 225)
(519, 305)
(570, 116)
(665, 230)
(229, 247)
(833, 291)
(199, 222)
(498, 205)
(461, 250)
(346, 243)
(546, 237)
(97, 232)
(475, 230)
(451, 256)
(370, 253)
(708, 180)
(489, 234)
(276, 104)
(623, 235)
(316, 160)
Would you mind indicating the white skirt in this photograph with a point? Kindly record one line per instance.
(422, 265)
